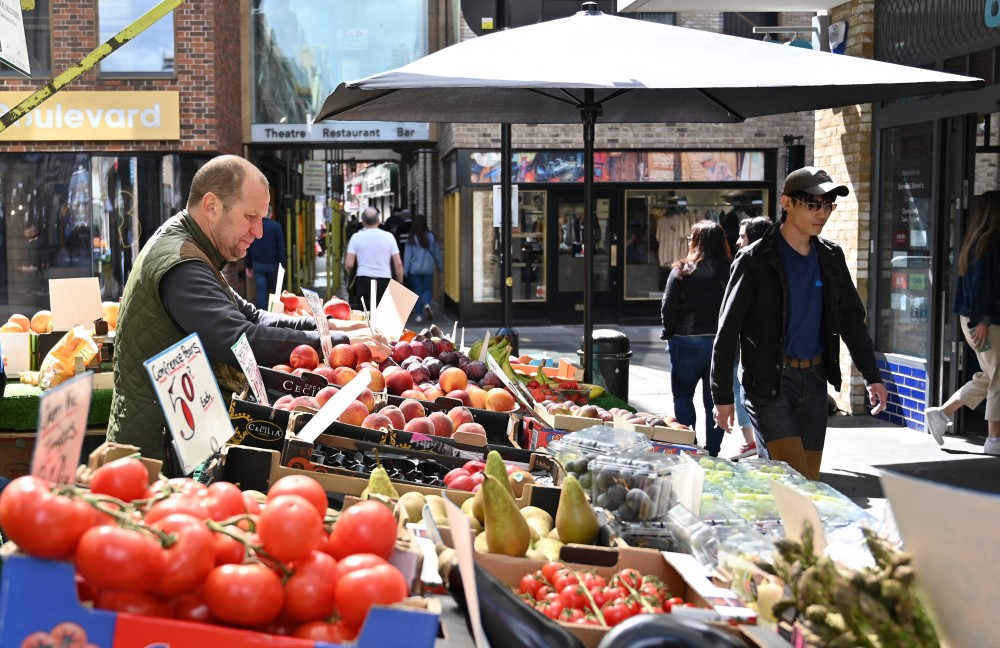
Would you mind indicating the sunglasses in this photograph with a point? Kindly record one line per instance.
(815, 206)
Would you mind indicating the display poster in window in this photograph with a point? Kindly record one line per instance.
(13, 44)
(192, 403)
(62, 424)
(911, 201)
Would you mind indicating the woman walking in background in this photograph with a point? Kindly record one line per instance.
(421, 256)
(977, 303)
(690, 316)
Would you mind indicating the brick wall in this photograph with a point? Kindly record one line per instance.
(206, 63)
(843, 146)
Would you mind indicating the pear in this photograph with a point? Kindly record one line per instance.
(575, 517)
(413, 503)
(554, 534)
(506, 531)
(496, 467)
(467, 508)
(535, 554)
(549, 547)
(380, 484)
(538, 519)
(435, 505)
(480, 544)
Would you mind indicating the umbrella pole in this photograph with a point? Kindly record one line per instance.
(588, 113)
(506, 250)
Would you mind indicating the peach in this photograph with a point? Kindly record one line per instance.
(303, 356)
(415, 394)
(443, 427)
(394, 415)
(460, 395)
(22, 321)
(326, 372)
(343, 355)
(354, 414)
(499, 400)
(362, 351)
(470, 428)
(433, 393)
(452, 378)
(420, 425)
(282, 368)
(283, 402)
(344, 375)
(376, 421)
(459, 415)
(478, 396)
(368, 398)
(325, 394)
(412, 408)
(398, 381)
(303, 401)
(41, 322)
(377, 383)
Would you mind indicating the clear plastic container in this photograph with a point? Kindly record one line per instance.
(634, 485)
(576, 450)
(654, 534)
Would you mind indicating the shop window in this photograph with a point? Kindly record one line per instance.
(904, 253)
(981, 64)
(527, 243)
(741, 23)
(151, 53)
(45, 225)
(38, 37)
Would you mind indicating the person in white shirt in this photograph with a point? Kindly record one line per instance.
(372, 257)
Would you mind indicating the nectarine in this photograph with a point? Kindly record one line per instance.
(367, 398)
(470, 428)
(420, 425)
(303, 356)
(22, 321)
(398, 381)
(362, 351)
(459, 415)
(344, 375)
(354, 414)
(460, 395)
(394, 415)
(443, 426)
(325, 394)
(41, 322)
(343, 355)
(499, 400)
(412, 408)
(376, 421)
(452, 378)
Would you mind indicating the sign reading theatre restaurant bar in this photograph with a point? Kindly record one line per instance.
(96, 115)
(341, 132)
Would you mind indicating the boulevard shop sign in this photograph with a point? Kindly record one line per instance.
(96, 116)
(354, 132)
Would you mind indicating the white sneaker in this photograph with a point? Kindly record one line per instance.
(992, 446)
(937, 423)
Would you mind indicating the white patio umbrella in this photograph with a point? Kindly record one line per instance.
(594, 67)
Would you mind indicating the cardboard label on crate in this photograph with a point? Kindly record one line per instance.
(192, 403)
(390, 315)
(512, 385)
(334, 407)
(244, 355)
(322, 326)
(75, 301)
(62, 424)
(796, 509)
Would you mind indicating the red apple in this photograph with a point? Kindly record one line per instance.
(304, 357)
(337, 308)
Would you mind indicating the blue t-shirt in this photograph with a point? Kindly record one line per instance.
(804, 324)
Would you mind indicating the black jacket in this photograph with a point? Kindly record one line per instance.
(690, 304)
(752, 321)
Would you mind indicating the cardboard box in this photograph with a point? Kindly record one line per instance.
(27, 609)
(261, 426)
(15, 454)
(501, 427)
(565, 422)
(568, 369)
(720, 605)
(110, 451)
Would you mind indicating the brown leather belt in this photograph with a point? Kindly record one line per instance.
(803, 363)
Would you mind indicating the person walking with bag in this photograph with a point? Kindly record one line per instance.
(977, 303)
(422, 255)
(690, 316)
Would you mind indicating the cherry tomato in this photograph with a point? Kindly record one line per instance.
(69, 635)
(189, 559)
(529, 585)
(143, 603)
(615, 612)
(549, 570)
(366, 527)
(357, 591)
(652, 592)
(224, 500)
(289, 527)
(40, 522)
(310, 594)
(570, 615)
(247, 595)
(302, 486)
(564, 577)
(335, 633)
(551, 609)
(630, 578)
(126, 479)
(120, 559)
(572, 596)
(251, 504)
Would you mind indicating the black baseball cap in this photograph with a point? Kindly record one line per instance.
(813, 181)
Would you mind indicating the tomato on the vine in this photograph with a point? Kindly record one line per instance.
(615, 612)
(144, 603)
(570, 614)
(120, 559)
(246, 595)
(193, 607)
(179, 503)
(303, 486)
(357, 562)
(572, 596)
(564, 577)
(366, 527)
(189, 559)
(289, 527)
(357, 591)
(224, 500)
(630, 578)
(228, 550)
(551, 609)
(310, 593)
(40, 522)
(126, 479)
(549, 570)
(530, 584)
(335, 633)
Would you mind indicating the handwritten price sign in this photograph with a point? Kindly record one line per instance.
(316, 307)
(192, 403)
(62, 423)
(244, 355)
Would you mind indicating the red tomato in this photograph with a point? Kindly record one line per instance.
(630, 578)
(310, 592)
(615, 612)
(462, 483)
(126, 479)
(120, 559)
(551, 609)
(475, 466)
(454, 473)
(366, 527)
(40, 522)
(228, 550)
(189, 504)
(176, 485)
(224, 501)
(359, 590)
(289, 527)
(571, 615)
(549, 570)
(572, 596)
(251, 504)
(356, 562)
(562, 578)
(143, 603)
(193, 607)
(247, 595)
(335, 633)
(302, 486)
(189, 559)
(530, 584)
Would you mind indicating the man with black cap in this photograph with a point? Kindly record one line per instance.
(789, 301)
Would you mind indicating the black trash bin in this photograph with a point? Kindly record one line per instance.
(611, 361)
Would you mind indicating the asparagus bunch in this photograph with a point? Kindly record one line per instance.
(874, 608)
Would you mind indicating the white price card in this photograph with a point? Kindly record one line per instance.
(323, 326)
(192, 403)
(62, 423)
(244, 355)
(334, 407)
(276, 297)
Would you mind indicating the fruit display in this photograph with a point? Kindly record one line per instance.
(583, 596)
(634, 485)
(212, 554)
(576, 450)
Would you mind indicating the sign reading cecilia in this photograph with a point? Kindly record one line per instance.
(96, 115)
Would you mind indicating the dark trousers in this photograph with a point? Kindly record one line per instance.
(691, 362)
(361, 289)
